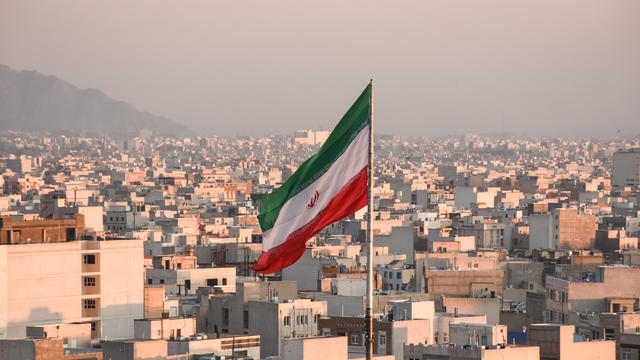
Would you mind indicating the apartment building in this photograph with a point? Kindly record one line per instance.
(611, 289)
(626, 169)
(97, 282)
(562, 229)
(557, 342)
(489, 234)
(478, 282)
(388, 336)
(275, 321)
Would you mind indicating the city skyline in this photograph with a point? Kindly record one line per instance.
(213, 179)
(532, 68)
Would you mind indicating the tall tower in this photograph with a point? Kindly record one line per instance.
(626, 169)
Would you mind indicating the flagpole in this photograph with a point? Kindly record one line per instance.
(369, 315)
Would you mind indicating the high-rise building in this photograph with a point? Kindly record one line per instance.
(562, 228)
(626, 169)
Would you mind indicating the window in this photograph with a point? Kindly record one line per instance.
(298, 320)
(355, 338)
(89, 259)
(398, 275)
(445, 338)
(225, 316)
(306, 319)
(609, 334)
(89, 281)
(435, 337)
(70, 234)
(212, 282)
(286, 321)
(382, 339)
(161, 281)
(93, 326)
(245, 319)
(150, 281)
(187, 284)
(89, 304)
(316, 317)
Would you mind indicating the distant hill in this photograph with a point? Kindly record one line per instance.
(33, 102)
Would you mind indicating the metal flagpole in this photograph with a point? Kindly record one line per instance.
(369, 316)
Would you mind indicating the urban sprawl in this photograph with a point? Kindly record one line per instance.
(486, 247)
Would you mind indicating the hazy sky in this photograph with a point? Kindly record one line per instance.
(253, 67)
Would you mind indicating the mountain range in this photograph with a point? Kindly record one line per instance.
(33, 102)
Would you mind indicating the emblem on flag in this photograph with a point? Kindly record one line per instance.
(313, 200)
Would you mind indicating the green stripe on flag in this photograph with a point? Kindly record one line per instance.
(356, 119)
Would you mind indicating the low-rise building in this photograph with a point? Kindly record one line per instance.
(388, 336)
(557, 342)
(168, 329)
(40, 231)
(73, 335)
(611, 289)
(41, 349)
(275, 321)
(455, 352)
(187, 281)
(315, 348)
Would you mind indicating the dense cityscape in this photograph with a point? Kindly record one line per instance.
(486, 247)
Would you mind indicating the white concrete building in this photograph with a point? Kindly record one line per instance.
(277, 321)
(187, 281)
(98, 282)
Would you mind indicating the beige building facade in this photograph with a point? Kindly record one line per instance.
(98, 282)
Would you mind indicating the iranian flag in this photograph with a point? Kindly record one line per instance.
(329, 186)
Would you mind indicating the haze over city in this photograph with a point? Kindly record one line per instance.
(336, 180)
(551, 68)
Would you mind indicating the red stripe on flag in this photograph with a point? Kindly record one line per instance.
(350, 199)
